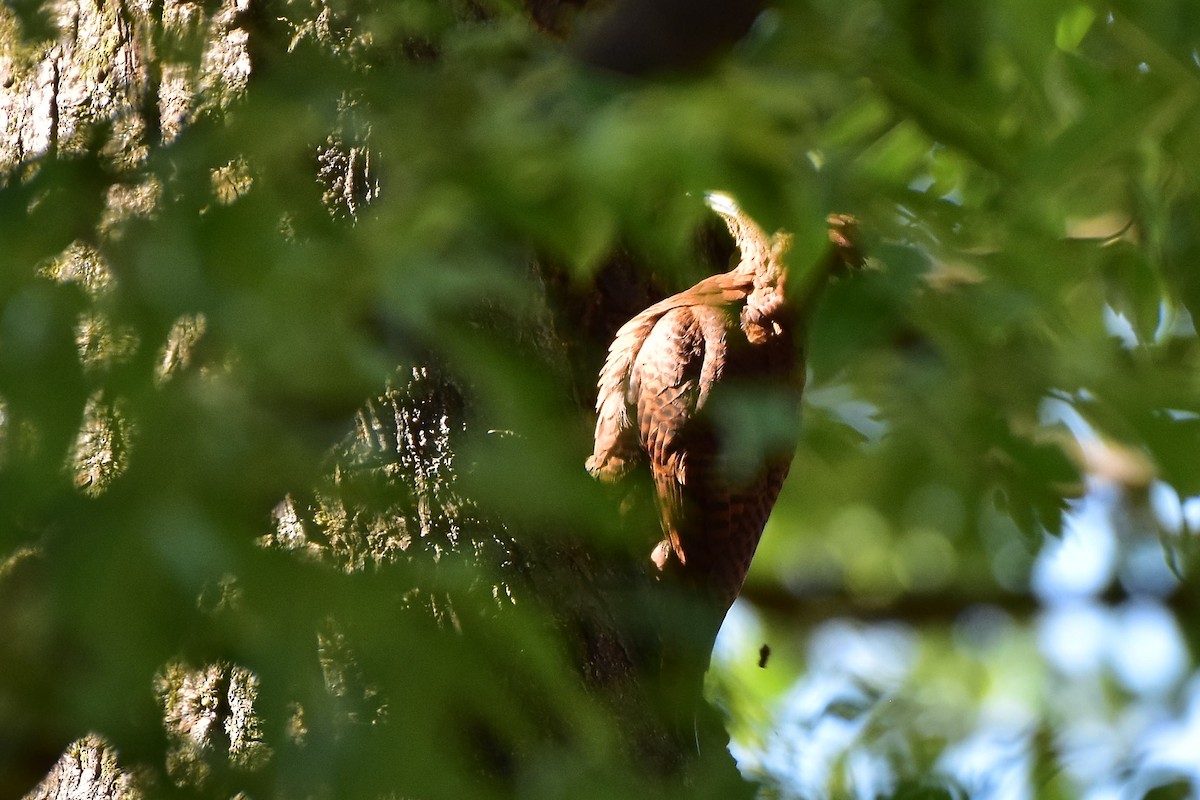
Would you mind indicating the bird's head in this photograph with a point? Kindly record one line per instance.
(723, 204)
(758, 251)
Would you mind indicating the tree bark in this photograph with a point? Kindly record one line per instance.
(99, 74)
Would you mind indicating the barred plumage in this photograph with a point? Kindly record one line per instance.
(656, 397)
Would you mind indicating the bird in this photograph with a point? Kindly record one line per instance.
(663, 383)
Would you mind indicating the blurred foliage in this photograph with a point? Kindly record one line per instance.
(305, 239)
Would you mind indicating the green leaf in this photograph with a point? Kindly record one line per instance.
(1073, 25)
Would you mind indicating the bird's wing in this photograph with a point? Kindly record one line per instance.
(617, 445)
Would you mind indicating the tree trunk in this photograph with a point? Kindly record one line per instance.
(103, 71)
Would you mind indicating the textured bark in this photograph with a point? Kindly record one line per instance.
(92, 72)
(95, 73)
(90, 79)
(88, 770)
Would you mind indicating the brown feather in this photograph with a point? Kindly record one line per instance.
(656, 389)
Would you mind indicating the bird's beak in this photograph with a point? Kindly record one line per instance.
(722, 203)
